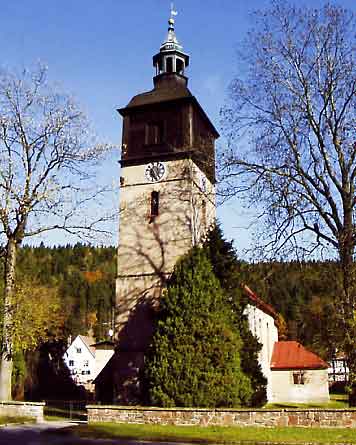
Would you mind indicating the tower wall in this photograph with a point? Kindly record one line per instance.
(149, 247)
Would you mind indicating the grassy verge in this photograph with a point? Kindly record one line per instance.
(337, 401)
(5, 420)
(51, 418)
(217, 435)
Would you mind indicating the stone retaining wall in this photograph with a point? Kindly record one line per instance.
(25, 409)
(344, 418)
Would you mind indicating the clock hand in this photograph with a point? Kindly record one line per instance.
(155, 173)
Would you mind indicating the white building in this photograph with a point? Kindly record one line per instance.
(80, 359)
(262, 322)
(85, 359)
(294, 374)
(338, 370)
(298, 375)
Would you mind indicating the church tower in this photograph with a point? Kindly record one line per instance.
(167, 199)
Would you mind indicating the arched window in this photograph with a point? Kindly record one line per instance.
(169, 65)
(180, 66)
(154, 205)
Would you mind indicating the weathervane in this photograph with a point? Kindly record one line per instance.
(173, 12)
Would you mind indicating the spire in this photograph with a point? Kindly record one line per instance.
(171, 59)
(171, 37)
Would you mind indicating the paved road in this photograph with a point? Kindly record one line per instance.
(44, 434)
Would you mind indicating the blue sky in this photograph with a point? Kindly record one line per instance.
(101, 52)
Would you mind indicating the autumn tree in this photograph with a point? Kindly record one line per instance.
(36, 317)
(48, 160)
(291, 125)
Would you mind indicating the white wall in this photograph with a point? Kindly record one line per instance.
(263, 327)
(315, 388)
(102, 356)
(83, 369)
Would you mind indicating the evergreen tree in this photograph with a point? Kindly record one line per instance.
(228, 269)
(194, 358)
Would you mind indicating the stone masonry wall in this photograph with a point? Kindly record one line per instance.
(25, 409)
(345, 418)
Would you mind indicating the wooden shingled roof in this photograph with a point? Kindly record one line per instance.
(159, 95)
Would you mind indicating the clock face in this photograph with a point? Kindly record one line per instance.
(155, 171)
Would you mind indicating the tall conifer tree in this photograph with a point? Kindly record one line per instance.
(194, 358)
(227, 268)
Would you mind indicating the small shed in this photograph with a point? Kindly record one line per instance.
(298, 375)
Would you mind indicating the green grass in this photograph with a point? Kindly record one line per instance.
(5, 420)
(216, 435)
(337, 401)
(51, 418)
(60, 413)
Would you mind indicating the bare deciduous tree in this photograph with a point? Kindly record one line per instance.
(291, 126)
(48, 160)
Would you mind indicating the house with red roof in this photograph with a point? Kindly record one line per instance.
(298, 375)
(294, 374)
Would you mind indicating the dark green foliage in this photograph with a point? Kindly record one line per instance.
(228, 269)
(18, 375)
(194, 359)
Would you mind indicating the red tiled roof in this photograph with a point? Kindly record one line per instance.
(258, 302)
(292, 355)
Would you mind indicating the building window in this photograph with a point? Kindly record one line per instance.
(78, 350)
(154, 133)
(298, 378)
(180, 66)
(71, 362)
(169, 64)
(86, 363)
(154, 205)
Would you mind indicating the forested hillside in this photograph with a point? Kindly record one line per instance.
(85, 281)
(304, 294)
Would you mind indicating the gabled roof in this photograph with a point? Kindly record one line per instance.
(292, 355)
(88, 342)
(254, 300)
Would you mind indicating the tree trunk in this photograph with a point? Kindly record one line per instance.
(7, 349)
(348, 320)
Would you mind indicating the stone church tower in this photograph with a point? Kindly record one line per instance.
(167, 201)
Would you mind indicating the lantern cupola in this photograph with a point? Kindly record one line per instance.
(171, 60)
